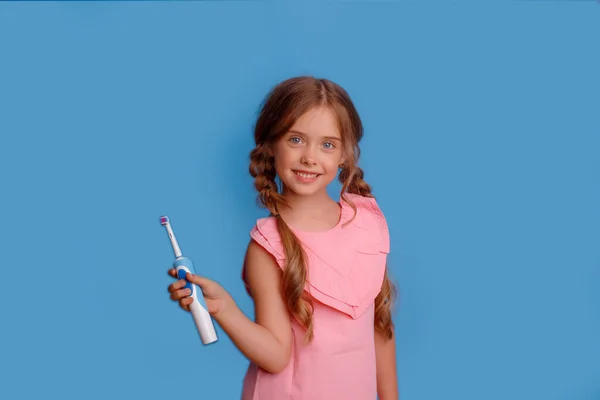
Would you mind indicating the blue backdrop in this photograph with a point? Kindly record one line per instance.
(482, 142)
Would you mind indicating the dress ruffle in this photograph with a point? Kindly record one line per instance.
(346, 264)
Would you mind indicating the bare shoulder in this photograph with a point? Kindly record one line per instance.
(256, 251)
(262, 271)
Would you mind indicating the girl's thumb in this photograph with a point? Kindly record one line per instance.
(196, 279)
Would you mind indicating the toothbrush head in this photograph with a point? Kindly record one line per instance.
(164, 220)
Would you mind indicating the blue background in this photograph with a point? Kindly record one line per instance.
(482, 144)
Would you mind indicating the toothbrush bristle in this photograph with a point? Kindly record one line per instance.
(164, 220)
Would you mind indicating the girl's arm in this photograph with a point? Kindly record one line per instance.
(268, 341)
(387, 380)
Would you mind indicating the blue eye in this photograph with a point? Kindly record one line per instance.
(328, 145)
(295, 140)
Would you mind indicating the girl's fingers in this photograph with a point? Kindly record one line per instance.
(180, 294)
(185, 303)
(177, 285)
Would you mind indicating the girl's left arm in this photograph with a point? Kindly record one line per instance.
(387, 380)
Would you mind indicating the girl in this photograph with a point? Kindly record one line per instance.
(316, 267)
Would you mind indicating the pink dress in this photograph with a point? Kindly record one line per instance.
(346, 267)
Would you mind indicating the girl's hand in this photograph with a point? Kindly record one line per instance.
(217, 299)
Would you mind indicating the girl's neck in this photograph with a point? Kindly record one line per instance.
(317, 212)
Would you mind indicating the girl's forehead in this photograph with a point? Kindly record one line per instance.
(320, 122)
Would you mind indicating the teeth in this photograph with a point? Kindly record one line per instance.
(304, 175)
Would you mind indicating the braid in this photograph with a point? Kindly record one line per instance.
(263, 172)
(294, 279)
(384, 303)
(295, 272)
(354, 177)
(353, 182)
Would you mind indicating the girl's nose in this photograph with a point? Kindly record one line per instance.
(307, 160)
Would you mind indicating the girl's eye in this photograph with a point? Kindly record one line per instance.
(329, 145)
(295, 140)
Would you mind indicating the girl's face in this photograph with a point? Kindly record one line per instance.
(307, 157)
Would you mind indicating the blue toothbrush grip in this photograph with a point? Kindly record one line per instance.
(181, 274)
(182, 264)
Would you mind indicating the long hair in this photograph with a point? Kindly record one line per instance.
(282, 107)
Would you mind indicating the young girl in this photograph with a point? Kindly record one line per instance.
(316, 267)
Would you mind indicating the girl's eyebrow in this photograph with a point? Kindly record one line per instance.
(326, 137)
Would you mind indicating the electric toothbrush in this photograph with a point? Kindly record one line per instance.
(198, 308)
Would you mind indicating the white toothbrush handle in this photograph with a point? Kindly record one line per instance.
(203, 322)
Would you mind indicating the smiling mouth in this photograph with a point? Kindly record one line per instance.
(306, 175)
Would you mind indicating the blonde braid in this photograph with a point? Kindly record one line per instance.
(295, 271)
(353, 182)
